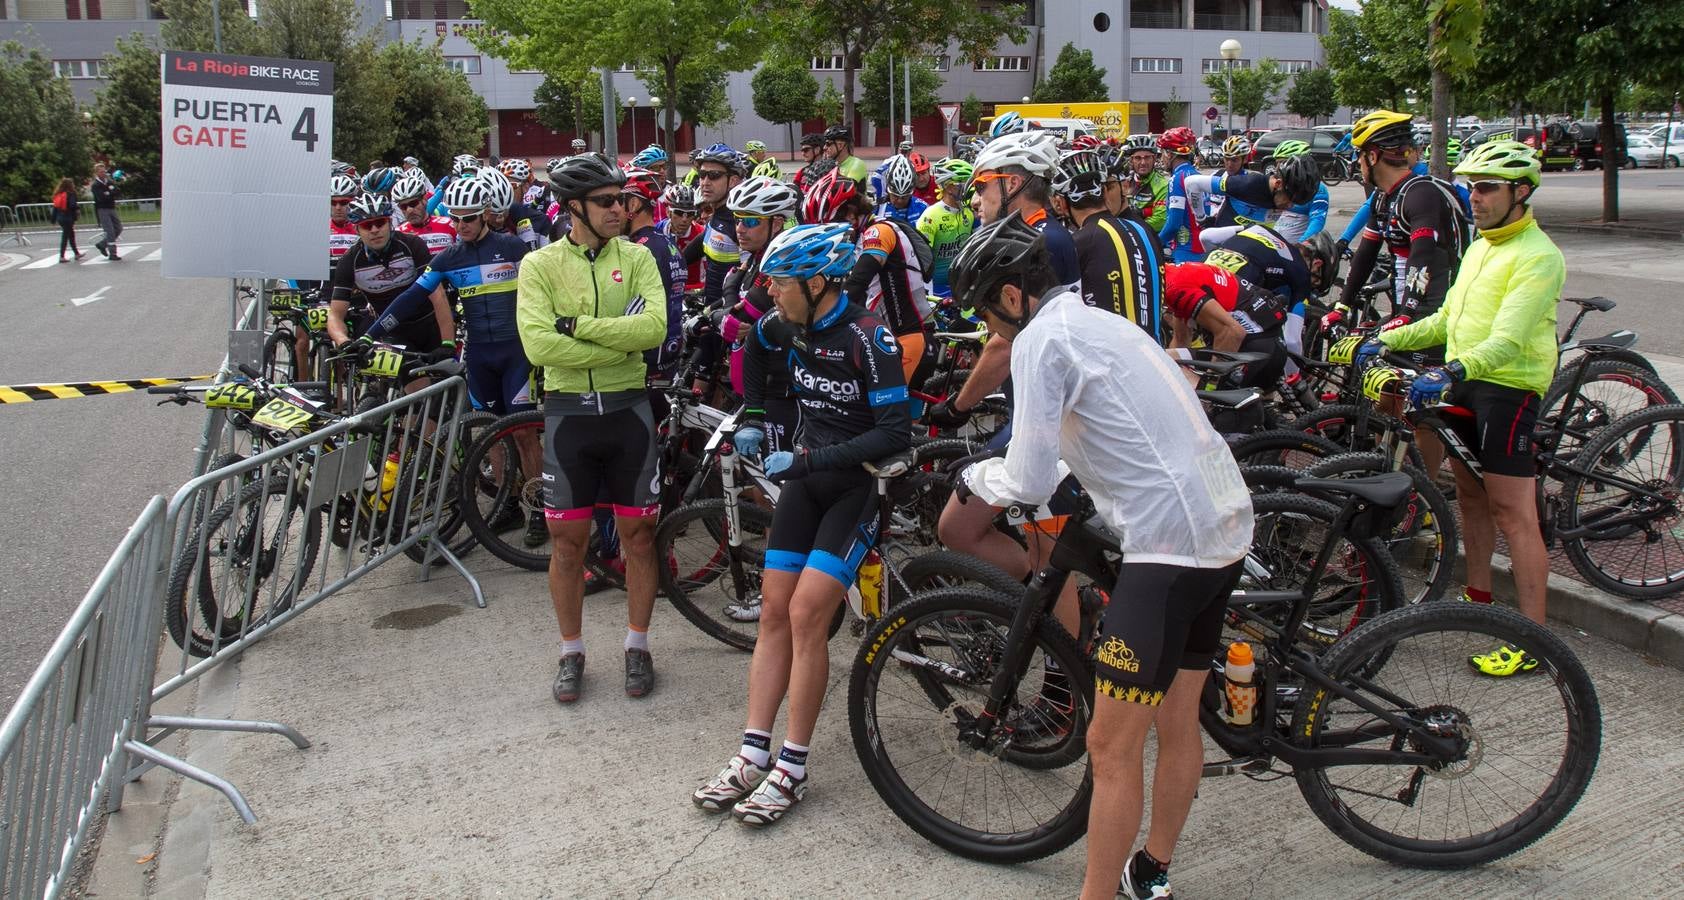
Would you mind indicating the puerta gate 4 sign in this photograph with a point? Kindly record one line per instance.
(248, 144)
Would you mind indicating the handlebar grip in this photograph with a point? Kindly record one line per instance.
(250, 371)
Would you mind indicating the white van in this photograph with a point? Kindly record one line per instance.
(1066, 129)
(1659, 133)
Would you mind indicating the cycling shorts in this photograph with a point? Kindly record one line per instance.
(612, 457)
(499, 377)
(1495, 421)
(825, 522)
(783, 420)
(1161, 619)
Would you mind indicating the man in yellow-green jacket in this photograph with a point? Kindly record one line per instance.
(1498, 328)
(588, 306)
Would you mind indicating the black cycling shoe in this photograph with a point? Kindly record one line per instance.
(640, 673)
(1140, 888)
(570, 678)
(537, 531)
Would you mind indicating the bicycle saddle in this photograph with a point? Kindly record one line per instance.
(1387, 490)
(1600, 304)
(890, 466)
(1233, 399)
(1619, 340)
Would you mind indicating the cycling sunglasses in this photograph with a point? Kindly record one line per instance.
(750, 221)
(606, 201)
(1489, 187)
(371, 224)
(471, 217)
(410, 204)
(713, 174)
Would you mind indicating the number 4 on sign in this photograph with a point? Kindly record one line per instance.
(84, 301)
(305, 131)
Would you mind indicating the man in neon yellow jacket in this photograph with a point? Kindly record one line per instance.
(588, 306)
(1498, 328)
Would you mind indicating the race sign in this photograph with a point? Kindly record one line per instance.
(248, 145)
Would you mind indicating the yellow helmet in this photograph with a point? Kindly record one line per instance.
(1383, 128)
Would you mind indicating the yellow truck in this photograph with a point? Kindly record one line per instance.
(1102, 120)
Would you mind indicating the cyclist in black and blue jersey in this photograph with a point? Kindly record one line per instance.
(718, 169)
(1250, 198)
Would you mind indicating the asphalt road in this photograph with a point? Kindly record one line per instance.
(76, 472)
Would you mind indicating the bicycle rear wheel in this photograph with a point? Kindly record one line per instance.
(697, 571)
(1527, 744)
(1425, 542)
(1287, 447)
(922, 675)
(498, 498)
(1612, 389)
(1623, 520)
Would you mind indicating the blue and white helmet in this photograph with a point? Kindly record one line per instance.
(1008, 123)
(649, 157)
(808, 250)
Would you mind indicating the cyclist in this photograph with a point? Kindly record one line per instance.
(375, 272)
(923, 181)
(1148, 188)
(652, 157)
(1236, 152)
(1160, 476)
(412, 166)
(578, 146)
(900, 182)
(1304, 220)
(839, 147)
(948, 223)
(1498, 327)
(511, 215)
(1180, 233)
(718, 170)
(762, 162)
(380, 180)
(589, 306)
(1121, 260)
(643, 193)
(805, 177)
(763, 207)
(845, 366)
(462, 165)
(1213, 304)
(681, 225)
(410, 195)
(1345, 148)
(1010, 122)
(341, 234)
(1248, 198)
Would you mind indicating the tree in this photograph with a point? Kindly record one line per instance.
(698, 97)
(127, 114)
(829, 105)
(877, 95)
(1255, 89)
(970, 111)
(559, 104)
(1073, 78)
(44, 139)
(438, 113)
(785, 92)
(364, 97)
(1376, 55)
(1312, 94)
(1453, 35)
(187, 26)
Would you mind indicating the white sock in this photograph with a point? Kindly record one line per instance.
(757, 747)
(793, 759)
(637, 640)
(576, 645)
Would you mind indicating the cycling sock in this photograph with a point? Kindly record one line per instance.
(1146, 868)
(571, 645)
(757, 747)
(1479, 596)
(793, 759)
(637, 640)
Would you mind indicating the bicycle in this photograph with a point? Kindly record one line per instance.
(940, 682)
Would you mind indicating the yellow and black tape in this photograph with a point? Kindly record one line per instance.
(29, 393)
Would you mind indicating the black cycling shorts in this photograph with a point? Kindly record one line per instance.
(1161, 619)
(499, 377)
(783, 420)
(826, 522)
(611, 457)
(1495, 422)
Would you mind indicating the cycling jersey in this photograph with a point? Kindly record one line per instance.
(910, 214)
(947, 229)
(752, 288)
(370, 280)
(1151, 198)
(664, 360)
(528, 224)
(1420, 221)
(1247, 198)
(436, 231)
(483, 272)
(1189, 286)
(1498, 319)
(846, 373)
(340, 238)
(693, 270)
(1304, 220)
(1122, 270)
(435, 203)
(1060, 247)
(888, 276)
(717, 251)
(1366, 210)
(1180, 232)
(1262, 256)
(614, 295)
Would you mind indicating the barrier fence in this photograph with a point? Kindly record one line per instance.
(25, 219)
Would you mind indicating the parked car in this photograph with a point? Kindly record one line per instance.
(1658, 132)
(1642, 150)
(1555, 147)
(1321, 144)
(965, 146)
(1589, 149)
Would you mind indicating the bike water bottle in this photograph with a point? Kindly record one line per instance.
(871, 585)
(388, 481)
(1240, 690)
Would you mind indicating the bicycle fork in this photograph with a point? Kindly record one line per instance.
(981, 732)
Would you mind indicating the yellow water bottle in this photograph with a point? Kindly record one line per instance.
(388, 481)
(871, 585)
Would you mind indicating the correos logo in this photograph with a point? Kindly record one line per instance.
(818, 384)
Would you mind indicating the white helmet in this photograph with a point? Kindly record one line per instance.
(466, 196)
(464, 163)
(499, 196)
(517, 170)
(898, 176)
(763, 196)
(1034, 151)
(345, 186)
(411, 187)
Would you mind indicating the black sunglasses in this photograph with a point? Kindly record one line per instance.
(712, 175)
(410, 204)
(606, 201)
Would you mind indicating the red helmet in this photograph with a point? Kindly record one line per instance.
(643, 183)
(828, 197)
(1084, 142)
(1178, 140)
(920, 162)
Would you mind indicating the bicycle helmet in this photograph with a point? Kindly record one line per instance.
(829, 198)
(411, 161)
(1085, 142)
(997, 254)
(1299, 177)
(898, 177)
(1034, 151)
(466, 196)
(642, 183)
(763, 196)
(344, 186)
(579, 175)
(1383, 129)
(920, 162)
(650, 157)
(380, 180)
(904, 148)
(951, 168)
(1289, 149)
(1323, 249)
(344, 168)
(754, 146)
(1007, 123)
(517, 170)
(838, 133)
(1237, 145)
(499, 195)
(369, 208)
(723, 155)
(1179, 141)
(411, 187)
(1140, 142)
(767, 167)
(1452, 151)
(812, 139)
(808, 250)
(578, 145)
(1509, 160)
(680, 197)
(1081, 176)
(464, 164)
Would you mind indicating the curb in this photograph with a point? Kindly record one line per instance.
(1640, 626)
(1616, 229)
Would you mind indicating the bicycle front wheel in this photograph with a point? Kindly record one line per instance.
(1623, 519)
(920, 681)
(1526, 745)
(714, 585)
(501, 498)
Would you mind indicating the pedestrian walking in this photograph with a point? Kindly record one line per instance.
(65, 209)
(105, 210)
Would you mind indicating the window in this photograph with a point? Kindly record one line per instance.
(467, 65)
(1101, 23)
(77, 68)
(939, 63)
(831, 63)
(1003, 64)
(1216, 65)
(429, 9)
(1157, 65)
(1294, 66)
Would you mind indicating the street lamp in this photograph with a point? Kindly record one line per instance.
(1230, 50)
(632, 102)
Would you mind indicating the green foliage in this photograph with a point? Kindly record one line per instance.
(1376, 55)
(438, 115)
(187, 26)
(877, 95)
(1456, 30)
(829, 103)
(1073, 79)
(785, 91)
(126, 115)
(698, 95)
(1312, 94)
(44, 139)
(559, 104)
(970, 112)
(1255, 89)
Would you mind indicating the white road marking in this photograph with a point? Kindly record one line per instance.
(42, 263)
(84, 301)
(8, 260)
(154, 256)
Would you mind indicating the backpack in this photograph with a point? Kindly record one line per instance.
(61, 201)
(920, 246)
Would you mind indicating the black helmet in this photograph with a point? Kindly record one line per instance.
(812, 139)
(1299, 177)
(1080, 176)
(995, 255)
(578, 175)
(839, 133)
(1322, 248)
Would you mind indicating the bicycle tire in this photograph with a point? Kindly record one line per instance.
(1262, 479)
(1627, 449)
(1333, 174)
(1459, 627)
(281, 343)
(487, 512)
(684, 584)
(1425, 543)
(978, 617)
(950, 568)
(1287, 447)
(1602, 400)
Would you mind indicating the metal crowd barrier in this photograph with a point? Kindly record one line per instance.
(39, 216)
(9, 222)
